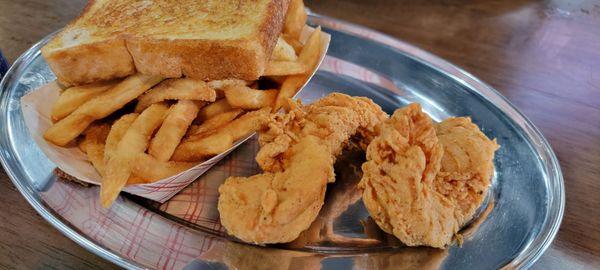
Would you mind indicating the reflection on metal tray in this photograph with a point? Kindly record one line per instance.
(523, 214)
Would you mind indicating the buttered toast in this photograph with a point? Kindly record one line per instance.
(206, 39)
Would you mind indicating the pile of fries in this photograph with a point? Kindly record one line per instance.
(145, 128)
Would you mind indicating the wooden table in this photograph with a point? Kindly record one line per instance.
(542, 55)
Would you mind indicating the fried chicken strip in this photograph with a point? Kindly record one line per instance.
(334, 118)
(276, 207)
(467, 165)
(402, 163)
(297, 154)
(422, 186)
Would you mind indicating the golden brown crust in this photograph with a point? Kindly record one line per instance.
(91, 63)
(298, 152)
(272, 26)
(199, 59)
(398, 181)
(243, 58)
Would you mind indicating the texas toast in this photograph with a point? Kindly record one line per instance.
(208, 40)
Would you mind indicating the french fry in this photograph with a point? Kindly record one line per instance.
(212, 145)
(212, 124)
(149, 169)
(134, 142)
(99, 107)
(283, 51)
(312, 49)
(95, 137)
(176, 89)
(294, 42)
(168, 136)
(212, 109)
(247, 123)
(310, 57)
(135, 180)
(117, 130)
(289, 87)
(282, 68)
(222, 139)
(295, 18)
(250, 99)
(73, 97)
(220, 84)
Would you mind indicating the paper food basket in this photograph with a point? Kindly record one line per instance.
(37, 106)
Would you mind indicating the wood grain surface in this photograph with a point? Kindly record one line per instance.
(544, 56)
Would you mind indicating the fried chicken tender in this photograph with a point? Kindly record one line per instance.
(334, 118)
(276, 207)
(297, 154)
(467, 165)
(402, 163)
(422, 187)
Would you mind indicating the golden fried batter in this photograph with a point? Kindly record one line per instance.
(402, 163)
(297, 154)
(333, 118)
(422, 185)
(276, 207)
(467, 165)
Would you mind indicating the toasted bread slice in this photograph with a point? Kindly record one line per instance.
(204, 39)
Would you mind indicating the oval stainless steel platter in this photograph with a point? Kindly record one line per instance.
(524, 209)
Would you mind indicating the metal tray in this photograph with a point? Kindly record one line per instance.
(523, 214)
